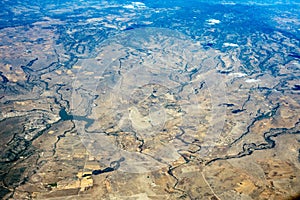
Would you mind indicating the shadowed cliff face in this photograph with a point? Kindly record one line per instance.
(149, 100)
(295, 197)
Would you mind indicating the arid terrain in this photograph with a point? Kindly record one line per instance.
(131, 100)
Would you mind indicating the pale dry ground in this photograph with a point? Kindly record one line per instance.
(184, 119)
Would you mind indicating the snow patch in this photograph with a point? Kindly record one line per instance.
(135, 5)
(213, 21)
(251, 80)
(128, 6)
(238, 74)
(229, 3)
(226, 44)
